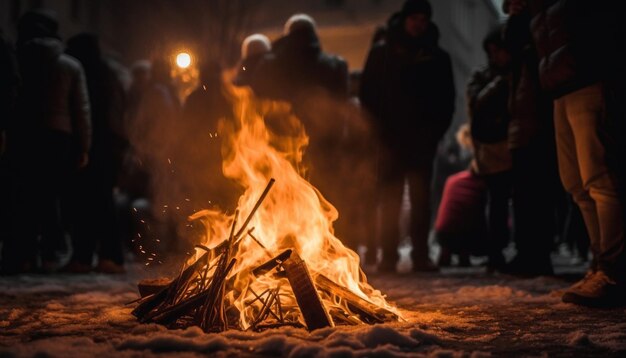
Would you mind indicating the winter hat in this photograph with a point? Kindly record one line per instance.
(37, 23)
(299, 21)
(417, 6)
(255, 44)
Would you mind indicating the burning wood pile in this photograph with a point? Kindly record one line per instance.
(283, 265)
(204, 293)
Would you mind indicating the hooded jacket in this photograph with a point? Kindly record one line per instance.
(54, 92)
(303, 68)
(408, 83)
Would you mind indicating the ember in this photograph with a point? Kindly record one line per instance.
(282, 266)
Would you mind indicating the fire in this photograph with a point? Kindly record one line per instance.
(277, 239)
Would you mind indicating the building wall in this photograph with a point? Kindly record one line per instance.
(463, 25)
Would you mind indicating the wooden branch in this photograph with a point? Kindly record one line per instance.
(270, 264)
(255, 208)
(368, 311)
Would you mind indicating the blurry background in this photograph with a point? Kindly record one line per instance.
(137, 29)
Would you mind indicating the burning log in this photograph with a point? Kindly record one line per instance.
(313, 311)
(272, 263)
(368, 311)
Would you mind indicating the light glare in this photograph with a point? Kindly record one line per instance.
(183, 60)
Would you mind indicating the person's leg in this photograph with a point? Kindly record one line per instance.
(533, 213)
(585, 110)
(83, 214)
(390, 201)
(110, 253)
(419, 194)
(498, 235)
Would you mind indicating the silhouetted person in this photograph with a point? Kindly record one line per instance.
(407, 84)
(9, 84)
(536, 186)
(579, 60)
(94, 223)
(315, 83)
(205, 113)
(155, 135)
(254, 48)
(460, 225)
(49, 140)
(487, 97)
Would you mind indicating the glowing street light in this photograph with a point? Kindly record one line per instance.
(183, 60)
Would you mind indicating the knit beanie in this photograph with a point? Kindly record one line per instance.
(255, 44)
(417, 6)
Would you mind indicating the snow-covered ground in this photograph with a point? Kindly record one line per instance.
(458, 312)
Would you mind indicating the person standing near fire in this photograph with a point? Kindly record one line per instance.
(408, 87)
(48, 141)
(580, 46)
(487, 96)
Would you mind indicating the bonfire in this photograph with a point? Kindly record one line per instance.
(275, 261)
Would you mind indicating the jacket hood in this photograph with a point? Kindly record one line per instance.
(397, 35)
(299, 43)
(43, 50)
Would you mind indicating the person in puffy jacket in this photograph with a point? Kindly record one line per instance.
(407, 86)
(49, 139)
(580, 45)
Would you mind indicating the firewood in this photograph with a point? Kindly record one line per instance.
(149, 287)
(270, 264)
(368, 311)
(313, 310)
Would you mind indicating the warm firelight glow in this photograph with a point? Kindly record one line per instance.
(183, 60)
(294, 215)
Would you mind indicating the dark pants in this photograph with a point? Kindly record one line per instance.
(40, 165)
(392, 175)
(536, 189)
(498, 196)
(94, 222)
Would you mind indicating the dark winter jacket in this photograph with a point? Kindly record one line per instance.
(407, 85)
(487, 99)
(575, 41)
(9, 82)
(107, 100)
(54, 92)
(315, 83)
(304, 69)
(529, 107)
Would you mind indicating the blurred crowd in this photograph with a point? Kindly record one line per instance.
(97, 156)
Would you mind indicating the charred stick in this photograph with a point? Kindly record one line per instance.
(267, 252)
(269, 265)
(255, 208)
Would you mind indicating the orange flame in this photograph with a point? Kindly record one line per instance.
(294, 215)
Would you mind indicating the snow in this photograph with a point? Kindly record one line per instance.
(461, 312)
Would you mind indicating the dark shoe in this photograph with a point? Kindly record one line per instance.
(75, 267)
(387, 267)
(528, 267)
(49, 266)
(464, 260)
(109, 267)
(445, 258)
(17, 268)
(370, 257)
(495, 263)
(595, 290)
(424, 265)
